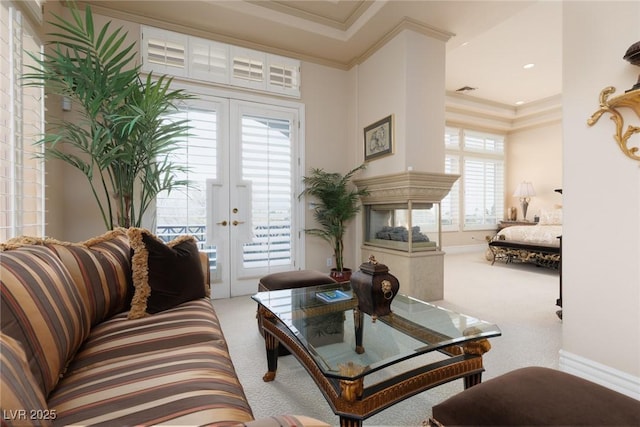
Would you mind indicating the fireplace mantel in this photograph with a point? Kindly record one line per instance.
(404, 186)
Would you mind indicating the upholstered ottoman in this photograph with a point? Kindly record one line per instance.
(537, 396)
(291, 280)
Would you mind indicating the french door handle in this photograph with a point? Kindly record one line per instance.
(222, 223)
(237, 222)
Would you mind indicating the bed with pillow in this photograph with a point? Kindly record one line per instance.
(539, 244)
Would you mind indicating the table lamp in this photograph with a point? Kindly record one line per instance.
(524, 191)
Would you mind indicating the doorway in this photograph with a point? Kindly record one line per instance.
(241, 205)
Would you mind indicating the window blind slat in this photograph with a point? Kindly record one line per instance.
(180, 55)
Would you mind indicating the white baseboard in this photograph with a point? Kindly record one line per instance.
(462, 249)
(600, 374)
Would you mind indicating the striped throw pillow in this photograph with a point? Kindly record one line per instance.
(42, 309)
(21, 399)
(101, 269)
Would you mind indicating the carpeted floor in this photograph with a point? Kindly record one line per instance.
(519, 298)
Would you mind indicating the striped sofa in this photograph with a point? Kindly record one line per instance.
(72, 354)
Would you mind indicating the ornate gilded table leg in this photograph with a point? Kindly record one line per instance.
(271, 345)
(477, 348)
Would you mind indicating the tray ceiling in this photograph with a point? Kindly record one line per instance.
(489, 42)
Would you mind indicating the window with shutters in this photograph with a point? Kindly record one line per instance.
(185, 211)
(21, 115)
(267, 163)
(476, 201)
(180, 55)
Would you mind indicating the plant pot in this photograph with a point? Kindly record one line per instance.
(341, 276)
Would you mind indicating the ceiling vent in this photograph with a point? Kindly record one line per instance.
(466, 89)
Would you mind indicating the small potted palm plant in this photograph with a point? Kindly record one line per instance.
(337, 203)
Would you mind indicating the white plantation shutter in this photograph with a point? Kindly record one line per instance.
(166, 52)
(22, 110)
(479, 158)
(483, 143)
(266, 164)
(248, 68)
(484, 192)
(452, 138)
(450, 205)
(184, 211)
(283, 75)
(6, 152)
(32, 128)
(199, 153)
(208, 60)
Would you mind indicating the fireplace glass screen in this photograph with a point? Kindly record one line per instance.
(408, 227)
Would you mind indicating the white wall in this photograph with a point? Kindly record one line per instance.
(601, 233)
(328, 97)
(405, 78)
(535, 155)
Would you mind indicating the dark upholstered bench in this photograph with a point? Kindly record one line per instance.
(291, 280)
(537, 396)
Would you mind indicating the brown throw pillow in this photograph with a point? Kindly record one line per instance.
(164, 275)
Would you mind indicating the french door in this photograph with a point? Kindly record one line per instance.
(242, 160)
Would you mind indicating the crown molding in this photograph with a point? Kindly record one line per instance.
(405, 24)
(463, 110)
(342, 25)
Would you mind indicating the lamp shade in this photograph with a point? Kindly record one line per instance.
(525, 189)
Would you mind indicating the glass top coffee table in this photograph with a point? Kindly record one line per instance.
(364, 364)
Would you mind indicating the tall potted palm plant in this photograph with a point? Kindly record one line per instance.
(123, 136)
(337, 203)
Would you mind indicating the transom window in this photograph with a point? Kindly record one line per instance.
(195, 58)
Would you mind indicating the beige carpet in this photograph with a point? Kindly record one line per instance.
(518, 298)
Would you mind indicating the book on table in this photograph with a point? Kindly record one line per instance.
(333, 295)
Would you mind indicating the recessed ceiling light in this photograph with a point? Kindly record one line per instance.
(519, 102)
(528, 66)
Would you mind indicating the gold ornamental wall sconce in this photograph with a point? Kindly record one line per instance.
(630, 99)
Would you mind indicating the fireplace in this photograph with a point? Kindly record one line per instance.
(409, 227)
(402, 228)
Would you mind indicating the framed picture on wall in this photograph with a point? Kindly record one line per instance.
(378, 139)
